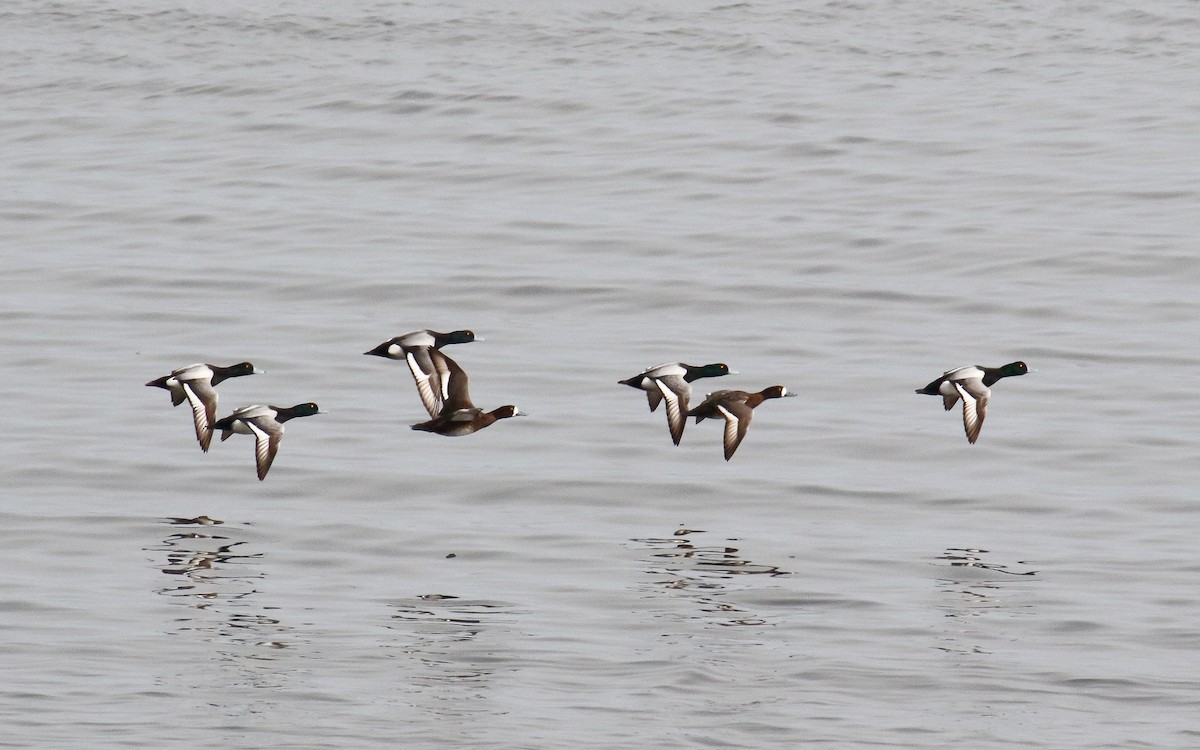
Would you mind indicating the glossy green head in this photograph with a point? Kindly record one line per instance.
(1014, 368)
(715, 370)
(305, 410)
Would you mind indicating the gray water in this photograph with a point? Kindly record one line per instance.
(846, 198)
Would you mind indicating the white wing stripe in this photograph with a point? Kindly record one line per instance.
(972, 420)
(675, 418)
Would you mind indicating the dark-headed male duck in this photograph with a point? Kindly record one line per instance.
(194, 384)
(973, 385)
(417, 348)
(672, 382)
(265, 423)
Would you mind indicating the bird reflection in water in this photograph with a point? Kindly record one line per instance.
(973, 588)
(679, 564)
(450, 650)
(214, 576)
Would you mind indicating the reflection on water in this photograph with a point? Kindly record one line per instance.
(973, 585)
(972, 558)
(215, 577)
(708, 572)
(453, 647)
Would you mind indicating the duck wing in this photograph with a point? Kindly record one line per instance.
(708, 407)
(974, 409)
(653, 395)
(202, 397)
(950, 399)
(228, 425)
(266, 443)
(454, 383)
(737, 419)
(969, 379)
(428, 377)
(652, 375)
(675, 392)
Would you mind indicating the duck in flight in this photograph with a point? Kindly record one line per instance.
(671, 382)
(417, 349)
(265, 423)
(195, 384)
(459, 416)
(737, 408)
(972, 384)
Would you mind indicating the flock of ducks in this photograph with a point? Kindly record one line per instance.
(442, 386)
(441, 383)
(672, 383)
(194, 384)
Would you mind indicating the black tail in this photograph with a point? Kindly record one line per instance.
(932, 388)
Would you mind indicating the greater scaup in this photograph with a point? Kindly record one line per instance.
(671, 381)
(973, 385)
(194, 384)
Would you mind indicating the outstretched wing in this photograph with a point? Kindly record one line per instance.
(454, 383)
(202, 397)
(737, 419)
(675, 392)
(429, 382)
(266, 445)
(974, 410)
